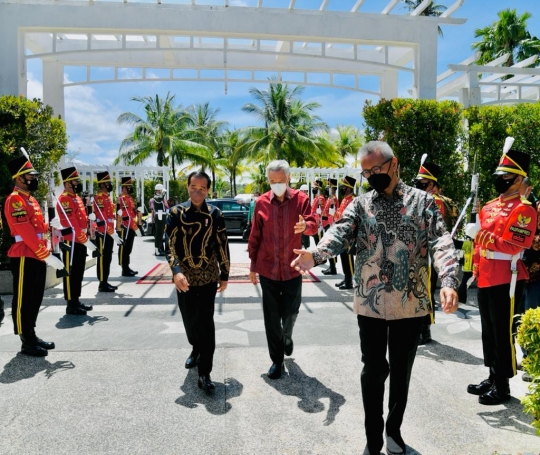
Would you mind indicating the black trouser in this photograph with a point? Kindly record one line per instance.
(104, 243)
(124, 251)
(305, 241)
(159, 227)
(347, 262)
(498, 328)
(281, 303)
(2, 312)
(401, 338)
(317, 237)
(75, 268)
(28, 288)
(197, 309)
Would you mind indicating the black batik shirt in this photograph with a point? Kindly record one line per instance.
(197, 244)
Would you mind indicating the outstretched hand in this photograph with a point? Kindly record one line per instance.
(449, 300)
(300, 226)
(303, 262)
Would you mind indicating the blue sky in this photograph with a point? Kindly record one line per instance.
(92, 110)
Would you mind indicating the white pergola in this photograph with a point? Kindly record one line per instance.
(309, 42)
(485, 84)
(309, 175)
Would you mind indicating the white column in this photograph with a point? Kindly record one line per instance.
(426, 62)
(389, 84)
(13, 66)
(53, 89)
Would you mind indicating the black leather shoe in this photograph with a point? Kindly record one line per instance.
(329, 272)
(192, 360)
(128, 272)
(85, 307)
(346, 286)
(45, 344)
(275, 371)
(106, 287)
(495, 395)
(368, 451)
(134, 272)
(341, 283)
(75, 310)
(395, 445)
(480, 389)
(206, 383)
(33, 350)
(288, 348)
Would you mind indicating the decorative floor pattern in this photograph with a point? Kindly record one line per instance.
(161, 274)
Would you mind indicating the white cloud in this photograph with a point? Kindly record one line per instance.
(34, 88)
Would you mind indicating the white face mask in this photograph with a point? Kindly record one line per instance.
(278, 188)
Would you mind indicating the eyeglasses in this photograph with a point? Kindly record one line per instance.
(374, 170)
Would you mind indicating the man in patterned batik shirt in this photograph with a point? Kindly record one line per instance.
(394, 229)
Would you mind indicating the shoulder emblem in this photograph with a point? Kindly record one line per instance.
(523, 221)
(17, 205)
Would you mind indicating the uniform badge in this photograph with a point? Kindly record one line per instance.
(17, 205)
(511, 204)
(523, 221)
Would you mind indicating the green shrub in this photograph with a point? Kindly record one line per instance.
(528, 338)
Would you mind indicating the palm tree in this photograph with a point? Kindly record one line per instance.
(207, 131)
(348, 141)
(290, 129)
(234, 148)
(432, 10)
(162, 133)
(507, 35)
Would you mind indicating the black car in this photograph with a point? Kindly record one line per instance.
(235, 214)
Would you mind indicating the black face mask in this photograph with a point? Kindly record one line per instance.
(130, 190)
(108, 187)
(314, 190)
(31, 184)
(421, 186)
(77, 187)
(502, 185)
(379, 182)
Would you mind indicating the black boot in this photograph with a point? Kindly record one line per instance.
(2, 313)
(347, 284)
(484, 386)
(330, 270)
(128, 272)
(85, 307)
(30, 346)
(341, 283)
(105, 287)
(74, 308)
(499, 393)
(425, 335)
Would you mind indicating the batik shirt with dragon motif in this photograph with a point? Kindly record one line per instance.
(393, 236)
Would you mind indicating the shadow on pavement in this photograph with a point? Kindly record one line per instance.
(510, 418)
(70, 321)
(309, 390)
(25, 367)
(441, 352)
(216, 402)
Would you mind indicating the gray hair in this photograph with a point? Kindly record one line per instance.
(278, 165)
(376, 147)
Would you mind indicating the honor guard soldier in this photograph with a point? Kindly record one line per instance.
(128, 222)
(72, 222)
(427, 180)
(317, 207)
(506, 228)
(105, 234)
(347, 257)
(159, 207)
(29, 256)
(332, 203)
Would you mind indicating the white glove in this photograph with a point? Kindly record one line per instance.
(91, 247)
(472, 229)
(117, 238)
(160, 215)
(54, 262)
(119, 212)
(138, 232)
(92, 217)
(140, 209)
(55, 223)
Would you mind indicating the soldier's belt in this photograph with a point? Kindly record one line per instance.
(126, 218)
(488, 254)
(100, 223)
(18, 238)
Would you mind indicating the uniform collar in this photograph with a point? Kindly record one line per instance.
(21, 191)
(509, 197)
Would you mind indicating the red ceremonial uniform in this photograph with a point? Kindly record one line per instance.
(104, 210)
(317, 207)
(25, 220)
(328, 218)
(507, 226)
(72, 214)
(344, 203)
(129, 211)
